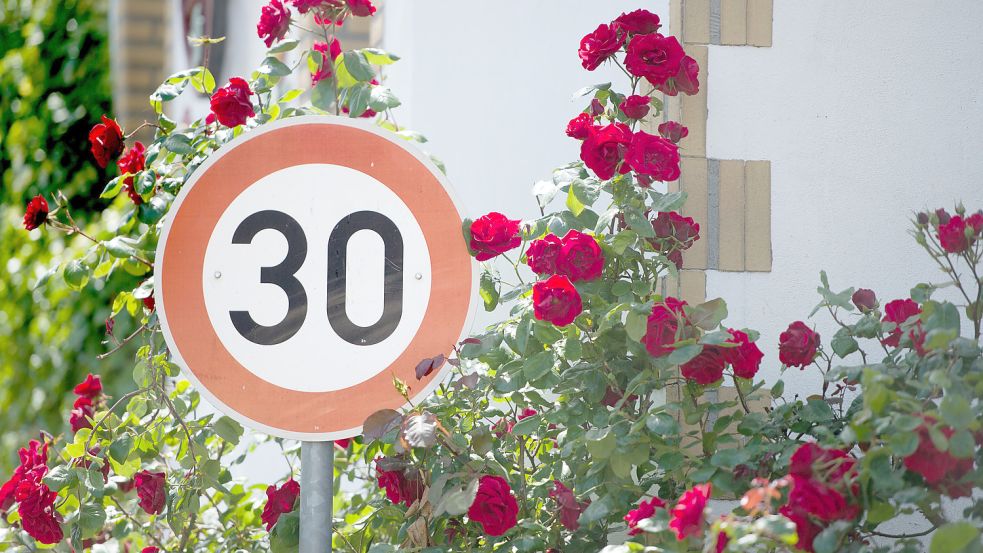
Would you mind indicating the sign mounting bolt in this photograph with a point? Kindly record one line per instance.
(218, 274)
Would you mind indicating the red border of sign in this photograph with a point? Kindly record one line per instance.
(194, 345)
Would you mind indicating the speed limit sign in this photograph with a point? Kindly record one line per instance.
(305, 265)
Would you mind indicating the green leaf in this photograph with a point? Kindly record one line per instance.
(962, 445)
(92, 517)
(623, 240)
(526, 426)
(76, 274)
(730, 457)
(662, 424)
(179, 144)
(636, 324)
(284, 46)
(603, 446)
(203, 80)
(59, 477)
(817, 411)
(382, 98)
(538, 365)
(285, 537)
(112, 188)
(954, 537)
(639, 223)
(684, 354)
(121, 246)
(358, 66)
(323, 94)
(229, 430)
(844, 344)
(274, 67)
(708, 315)
(778, 389)
(459, 500)
(489, 291)
(120, 449)
(573, 203)
(358, 99)
(375, 56)
(956, 410)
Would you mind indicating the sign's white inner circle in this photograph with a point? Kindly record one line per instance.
(317, 196)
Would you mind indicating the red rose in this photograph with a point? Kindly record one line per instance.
(655, 57)
(274, 22)
(612, 397)
(638, 22)
(107, 141)
(663, 326)
(942, 215)
(230, 104)
(150, 303)
(646, 509)
(33, 467)
(797, 346)
(556, 300)
(580, 257)
(635, 106)
(898, 312)
(599, 45)
(673, 131)
(707, 367)
(952, 235)
(132, 163)
(804, 527)
(494, 234)
(687, 516)
(279, 501)
(329, 52)
(343, 443)
(361, 8)
(940, 470)
(865, 300)
(37, 511)
(151, 491)
(400, 487)
(687, 80)
(746, 357)
(494, 506)
(90, 387)
(604, 149)
(976, 221)
(579, 127)
(722, 540)
(81, 414)
(822, 482)
(653, 156)
(150, 549)
(36, 213)
(570, 508)
(303, 6)
(673, 234)
(542, 254)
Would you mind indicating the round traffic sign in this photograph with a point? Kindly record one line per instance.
(306, 264)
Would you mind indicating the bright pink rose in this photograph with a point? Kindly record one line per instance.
(952, 235)
(151, 490)
(673, 131)
(36, 213)
(635, 106)
(638, 22)
(494, 506)
(274, 22)
(542, 254)
(494, 234)
(132, 163)
(604, 150)
(580, 126)
(688, 516)
(864, 299)
(653, 156)
(580, 257)
(687, 80)
(231, 105)
(569, 507)
(279, 501)
(663, 327)
(655, 57)
(361, 8)
(797, 346)
(707, 367)
(941, 470)
(600, 45)
(106, 139)
(646, 509)
(556, 300)
(745, 358)
(897, 312)
(329, 54)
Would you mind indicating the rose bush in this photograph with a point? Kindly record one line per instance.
(590, 417)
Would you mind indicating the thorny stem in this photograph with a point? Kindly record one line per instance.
(136, 524)
(120, 345)
(103, 418)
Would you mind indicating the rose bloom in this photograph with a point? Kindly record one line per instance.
(231, 105)
(600, 45)
(865, 300)
(646, 509)
(823, 482)
(37, 512)
(897, 312)
(604, 150)
(687, 80)
(941, 470)
(580, 257)
(655, 57)
(746, 357)
(494, 506)
(952, 235)
(674, 230)
(151, 491)
(149, 302)
(106, 139)
(653, 156)
(707, 367)
(81, 414)
(805, 528)
(279, 501)
(33, 466)
(570, 508)
(329, 53)
(638, 22)
(36, 212)
(580, 126)
(274, 22)
(687, 517)
(399, 488)
(797, 346)
(556, 300)
(361, 8)
(343, 443)
(303, 6)
(494, 234)
(132, 163)
(542, 254)
(635, 106)
(663, 325)
(150, 549)
(673, 131)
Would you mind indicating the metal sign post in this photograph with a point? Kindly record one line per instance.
(316, 496)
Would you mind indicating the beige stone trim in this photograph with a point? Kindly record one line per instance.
(758, 215)
(731, 210)
(139, 58)
(733, 22)
(759, 22)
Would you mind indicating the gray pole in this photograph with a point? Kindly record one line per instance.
(316, 497)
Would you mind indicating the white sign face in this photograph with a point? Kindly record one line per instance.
(232, 278)
(307, 264)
